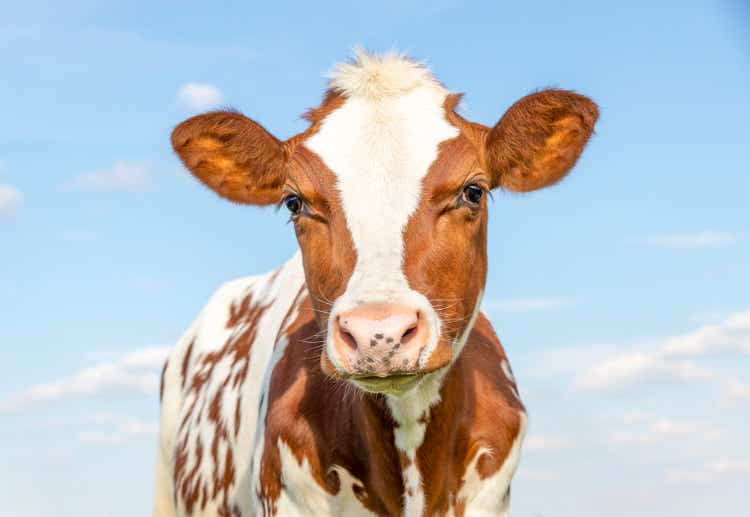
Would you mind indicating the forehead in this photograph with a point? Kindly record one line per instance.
(383, 134)
(395, 137)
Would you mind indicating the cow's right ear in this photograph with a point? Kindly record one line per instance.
(232, 155)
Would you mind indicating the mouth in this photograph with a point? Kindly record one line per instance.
(392, 384)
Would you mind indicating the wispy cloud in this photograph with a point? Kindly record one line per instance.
(546, 443)
(197, 96)
(11, 199)
(136, 372)
(710, 471)
(121, 176)
(735, 392)
(526, 304)
(116, 429)
(537, 474)
(672, 358)
(690, 240)
(634, 369)
(663, 430)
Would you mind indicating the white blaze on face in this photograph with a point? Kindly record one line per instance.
(380, 145)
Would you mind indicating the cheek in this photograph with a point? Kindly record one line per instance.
(328, 261)
(450, 263)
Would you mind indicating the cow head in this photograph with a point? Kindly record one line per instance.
(387, 190)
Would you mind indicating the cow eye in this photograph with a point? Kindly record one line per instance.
(294, 204)
(472, 194)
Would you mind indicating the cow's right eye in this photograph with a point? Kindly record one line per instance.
(472, 194)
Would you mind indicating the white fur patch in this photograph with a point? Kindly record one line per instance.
(410, 411)
(505, 365)
(380, 148)
(489, 497)
(414, 500)
(377, 76)
(302, 496)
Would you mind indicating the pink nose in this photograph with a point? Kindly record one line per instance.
(380, 339)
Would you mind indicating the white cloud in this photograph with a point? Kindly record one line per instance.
(10, 200)
(122, 175)
(526, 304)
(545, 443)
(116, 429)
(136, 372)
(735, 392)
(691, 240)
(663, 430)
(672, 359)
(198, 96)
(730, 336)
(710, 471)
(537, 474)
(626, 371)
(634, 417)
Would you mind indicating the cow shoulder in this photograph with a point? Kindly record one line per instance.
(496, 428)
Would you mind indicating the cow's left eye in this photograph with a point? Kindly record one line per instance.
(294, 204)
(472, 195)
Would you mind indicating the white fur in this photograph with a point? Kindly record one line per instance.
(414, 499)
(489, 497)
(302, 496)
(380, 146)
(505, 365)
(409, 411)
(375, 77)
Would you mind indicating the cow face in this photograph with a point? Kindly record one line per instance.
(388, 191)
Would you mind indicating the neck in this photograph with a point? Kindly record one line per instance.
(411, 411)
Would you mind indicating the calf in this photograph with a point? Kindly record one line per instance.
(359, 378)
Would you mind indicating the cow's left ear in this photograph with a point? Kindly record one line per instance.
(232, 155)
(539, 139)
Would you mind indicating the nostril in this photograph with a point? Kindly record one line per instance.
(409, 334)
(348, 339)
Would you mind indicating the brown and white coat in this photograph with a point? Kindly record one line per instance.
(360, 378)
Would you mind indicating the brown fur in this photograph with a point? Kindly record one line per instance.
(539, 139)
(232, 155)
(445, 244)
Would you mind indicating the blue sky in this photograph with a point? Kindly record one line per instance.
(621, 295)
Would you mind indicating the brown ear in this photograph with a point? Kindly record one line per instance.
(232, 155)
(539, 139)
